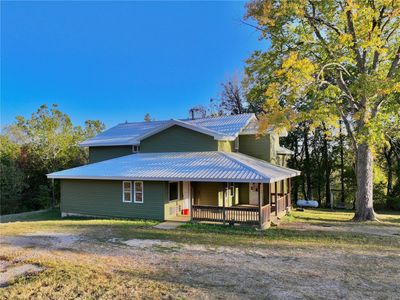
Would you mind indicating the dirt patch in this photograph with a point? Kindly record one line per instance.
(12, 273)
(3, 265)
(146, 243)
(270, 271)
(53, 240)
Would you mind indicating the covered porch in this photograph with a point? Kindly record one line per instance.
(240, 203)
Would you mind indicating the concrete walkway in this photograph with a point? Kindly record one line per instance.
(168, 225)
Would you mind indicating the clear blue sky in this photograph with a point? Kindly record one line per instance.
(116, 61)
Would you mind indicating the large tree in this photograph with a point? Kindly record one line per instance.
(32, 147)
(340, 60)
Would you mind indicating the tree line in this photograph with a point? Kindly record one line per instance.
(31, 148)
(325, 157)
(330, 76)
(329, 64)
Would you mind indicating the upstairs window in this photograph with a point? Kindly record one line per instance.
(138, 191)
(126, 191)
(135, 148)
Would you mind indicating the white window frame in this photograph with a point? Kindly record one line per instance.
(137, 148)
(179, 191)
(134, 192)
(123, 192)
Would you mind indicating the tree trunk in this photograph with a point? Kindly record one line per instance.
(364, 201)
(295, 190)
(307, 166)
(388, 155)
(342, 198)
(327, 172)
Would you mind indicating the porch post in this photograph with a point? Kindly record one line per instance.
(259, 205)
(191, 200)
(290, 191)
(223, 203)
(269, 193)
(276, 198)
(53, 197)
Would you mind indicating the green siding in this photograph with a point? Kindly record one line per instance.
(104, 198)
(226, 146)
(208, 193)
(178, 139)
(274, 142)
(97, 154)
(243, 193)
(262, 147)
(212, 193)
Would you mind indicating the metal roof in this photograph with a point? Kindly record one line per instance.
(283, 150)
(213, 166)
(123, 134)
(225, 125)
(217, 135)
(221, 128)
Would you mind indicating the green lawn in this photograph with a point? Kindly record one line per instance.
(213, 234)
(100, 266)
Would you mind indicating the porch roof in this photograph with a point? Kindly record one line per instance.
(213, 166)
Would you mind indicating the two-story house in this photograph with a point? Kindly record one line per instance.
(216, 169)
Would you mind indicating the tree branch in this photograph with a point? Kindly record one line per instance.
(321, 38)
(255, 27)
(343, 86)
(350, 27)
(349, 130)
(322, 21)
(395, 64)
(375, 61)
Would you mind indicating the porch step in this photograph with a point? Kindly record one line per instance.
(168, 225)
(275, 221)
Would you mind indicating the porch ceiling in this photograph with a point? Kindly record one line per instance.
(213, 166)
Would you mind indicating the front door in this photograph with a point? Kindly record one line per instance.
(253, 193)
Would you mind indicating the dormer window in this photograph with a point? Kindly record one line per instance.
(135, 148)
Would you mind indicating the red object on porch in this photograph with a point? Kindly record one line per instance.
(185, 211)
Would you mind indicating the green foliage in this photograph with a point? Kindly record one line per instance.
(31, 148)
(12, 177)
(329, 60)
(42, 197)
(336, 59)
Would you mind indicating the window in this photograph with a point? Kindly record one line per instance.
(138, 191)
(126, 191)
(174, 190)
(135, 148)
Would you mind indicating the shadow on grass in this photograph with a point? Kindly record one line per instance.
(219, 235)
(53, 214)
(393, 220)
(322, 219)
(104, 230)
